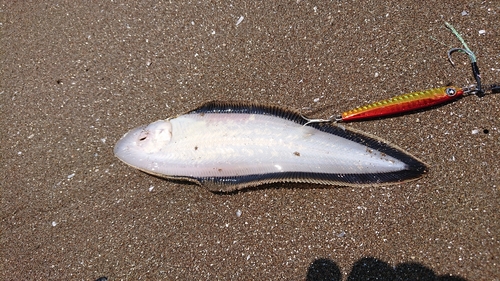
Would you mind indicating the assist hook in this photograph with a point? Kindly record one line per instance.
(473, 62)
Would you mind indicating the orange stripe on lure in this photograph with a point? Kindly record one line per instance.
(403, 103)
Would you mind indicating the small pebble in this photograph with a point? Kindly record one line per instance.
(240, 20)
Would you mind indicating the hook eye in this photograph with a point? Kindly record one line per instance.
(450, 92)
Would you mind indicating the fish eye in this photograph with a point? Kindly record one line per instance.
(144, 135)
(450, 92)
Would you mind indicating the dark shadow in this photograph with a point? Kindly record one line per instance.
(371, 269)
(323, 270)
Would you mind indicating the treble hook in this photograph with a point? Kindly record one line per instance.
(473, 62)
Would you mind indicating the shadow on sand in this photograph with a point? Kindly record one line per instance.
(370, 268)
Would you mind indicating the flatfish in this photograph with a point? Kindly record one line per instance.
(230, 146)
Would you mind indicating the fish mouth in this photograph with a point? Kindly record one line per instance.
(128, 142)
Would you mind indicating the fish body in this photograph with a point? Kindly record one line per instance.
(230, 146)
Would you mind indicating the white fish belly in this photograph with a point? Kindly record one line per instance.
(214, 145)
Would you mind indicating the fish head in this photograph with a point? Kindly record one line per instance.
(142, 141)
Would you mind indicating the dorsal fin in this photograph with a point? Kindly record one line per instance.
(249, 108)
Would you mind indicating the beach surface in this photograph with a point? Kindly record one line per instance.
(76, 76)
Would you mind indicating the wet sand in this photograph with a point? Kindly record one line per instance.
(76, 77)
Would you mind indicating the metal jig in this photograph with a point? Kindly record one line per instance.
(417, 100)
(404, 103)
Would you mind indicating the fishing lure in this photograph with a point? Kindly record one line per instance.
(408, 102)
(417, 100)
(403, 103)
(231, 146)
(412, 101)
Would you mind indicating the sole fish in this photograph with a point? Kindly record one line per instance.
(231, 146)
